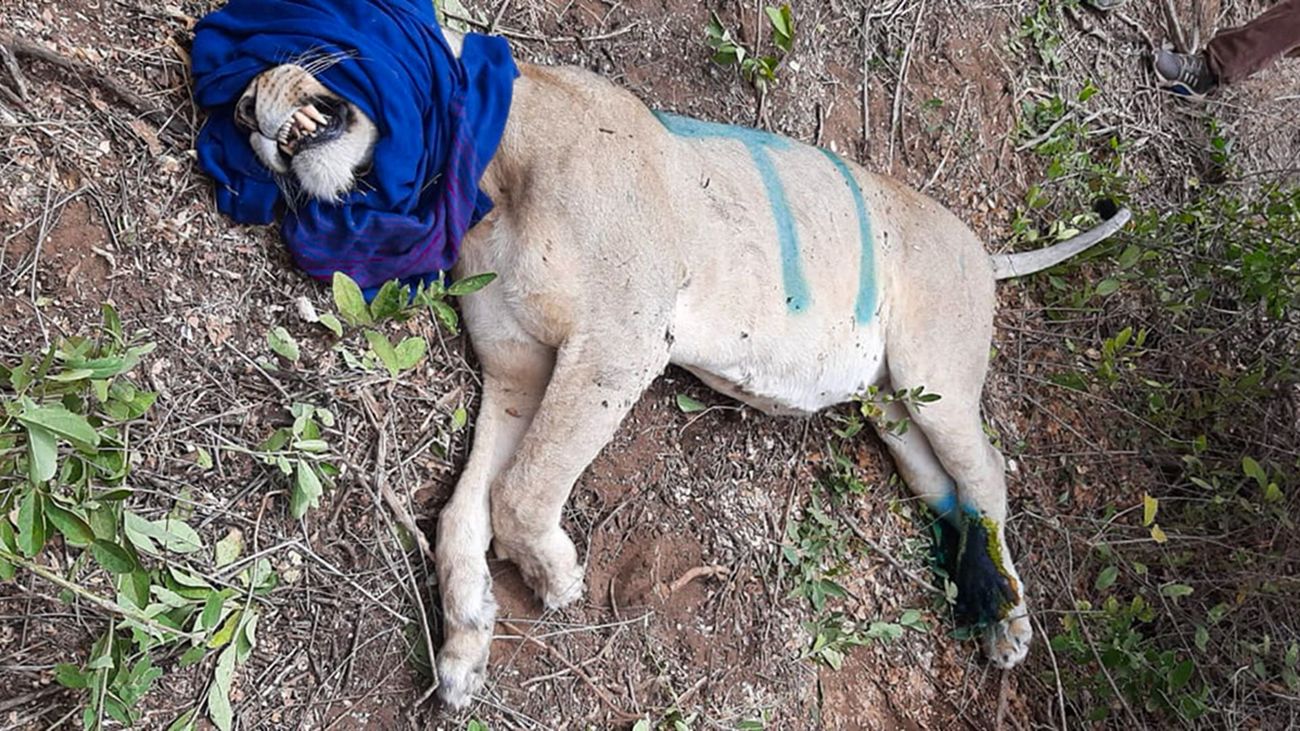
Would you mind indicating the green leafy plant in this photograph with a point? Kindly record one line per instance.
(871, 407)
(1129, 656)
(834, 635)
(66, 435)
(688, 405)
(757, 69)
(394, 301)
(302, 455)
(817, 551)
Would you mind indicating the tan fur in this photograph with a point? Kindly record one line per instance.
(622, 247)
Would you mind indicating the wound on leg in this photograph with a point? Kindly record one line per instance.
(986, 592)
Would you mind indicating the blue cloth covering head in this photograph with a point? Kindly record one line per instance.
(440, 119)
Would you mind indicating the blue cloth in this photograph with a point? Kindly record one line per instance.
(439, 118)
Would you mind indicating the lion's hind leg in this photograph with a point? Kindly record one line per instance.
(948, 461)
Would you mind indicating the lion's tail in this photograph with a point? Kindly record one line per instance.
(1008, 266)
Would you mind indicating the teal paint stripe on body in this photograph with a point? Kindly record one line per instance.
(759, 143)
(865, 308)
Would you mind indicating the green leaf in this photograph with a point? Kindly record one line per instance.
(1273, 493)
(212, 607)
(185, 721)
(470, 285)
(227, 632)
(276, 442)
(884, 631)
(329, 321)
(8, 541)
(1175, 591)
(1107, 286)
(912, 619)
(61, 422)
(219, 709)
(1107, 577)
(283, 344)
(139, 532)
(446, 315)
(1254, 471)
(112, 322)
(246, 639)
(459, 418)
(75, 530)
(77, 374)
(410, 351)
(688, 405)
(177, 536)
(112, 557)
(133, 588)
(1202, 637)
(1181, 674)
(1130, 256)
(192, 656)
(70, 676)
(31, 524)
(1149, 507)
(42, 454)
(782, 26)
(389, 301)
(384, 350)
(230, 548)
(189, 582)
(349, 300)
(307, 491)
(1158, 534)
(312, 446)
(168, 597)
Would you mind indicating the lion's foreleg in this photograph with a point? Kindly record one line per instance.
(596, 382)
(515, 375)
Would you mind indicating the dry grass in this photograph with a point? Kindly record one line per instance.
(100, 200)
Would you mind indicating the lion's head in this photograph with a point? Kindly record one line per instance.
(303, 131)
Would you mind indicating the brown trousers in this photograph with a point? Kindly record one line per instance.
(1239, 52)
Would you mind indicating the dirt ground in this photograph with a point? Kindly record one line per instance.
(99, 202)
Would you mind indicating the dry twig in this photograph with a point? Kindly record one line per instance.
(19, 46)
(622, 715)
(894, 130)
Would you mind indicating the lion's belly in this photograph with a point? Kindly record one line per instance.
(783, 300)
(792, 376)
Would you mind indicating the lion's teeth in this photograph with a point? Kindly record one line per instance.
(304, 121)
(315, 114)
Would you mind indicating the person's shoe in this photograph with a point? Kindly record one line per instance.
(1186, 75)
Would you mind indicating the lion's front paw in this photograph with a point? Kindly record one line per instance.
(550, 568)
(459, 678)
(561, 587)
(1006, 642)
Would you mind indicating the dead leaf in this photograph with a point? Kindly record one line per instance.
(146, 132)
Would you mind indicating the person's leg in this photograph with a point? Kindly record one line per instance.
(1236, 53)
(1233, 54)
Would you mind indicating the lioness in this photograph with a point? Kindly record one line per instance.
(625, 240)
